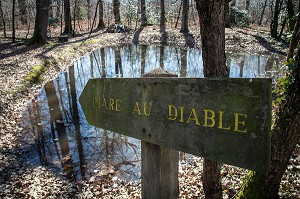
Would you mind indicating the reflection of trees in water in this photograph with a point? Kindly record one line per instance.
(80, 148)
(76, 120)
(57, 124)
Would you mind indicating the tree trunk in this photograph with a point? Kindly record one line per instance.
(22, 11)
(89, 13)
(227, 15)
(295, 39)
(67, 17)
(185, 16)
(162, 15)
(41, 22)
(117, 11)
(178, 16)
(285, 136)
(263, 12)
(291, 14)
(212, 29)
(51, 16)
(247, 5)
(143, 14)
(58, 11)
(101, 24)
(2, 20)
(13, 21)
(274, 23)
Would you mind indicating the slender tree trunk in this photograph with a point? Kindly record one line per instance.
(143, 14)
(117, 11)
(51, 10)
(2, 20)
(162, 15)
(58, 10)
(178, 16)
(275, 19)
(247, 5)
(185, 16)
(13, 21)
(212, 29)
(89, 13)
(67, 17)
(291, 14)
(41, 22)
(22, 11)
(263, 12)
(101, 24)
(295, 39)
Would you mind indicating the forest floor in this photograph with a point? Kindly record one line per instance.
(20, 179)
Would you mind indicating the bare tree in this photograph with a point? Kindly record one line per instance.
(13, 21)
(2, 20)
(41, 22)
(263, 12)
(143, 13)
(67, 17)
(212, 29)
(101, 24)
(22, 11)
(275, 19)
(117, 11)
(185, 16)
(162, 14)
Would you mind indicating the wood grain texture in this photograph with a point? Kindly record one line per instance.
(223, 119)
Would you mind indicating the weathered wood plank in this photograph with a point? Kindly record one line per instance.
(227, 120)
(159, 164)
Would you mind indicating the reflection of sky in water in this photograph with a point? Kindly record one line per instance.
(96, 151)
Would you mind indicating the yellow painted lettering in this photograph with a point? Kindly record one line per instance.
(136, 109)
(221, 121)
(237, 122)
(111, 104)
(181, 114)
(104, 103)
(96, 102)
(118, 105)
(145, 110)
(211, 118)
(172, 109)
(193, 116)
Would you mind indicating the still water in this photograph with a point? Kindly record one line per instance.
(58, 134)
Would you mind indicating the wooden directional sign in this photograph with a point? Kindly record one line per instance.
(227, 120)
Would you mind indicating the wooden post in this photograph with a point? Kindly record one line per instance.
(159, 164)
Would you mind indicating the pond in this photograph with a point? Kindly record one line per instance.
(58, 135)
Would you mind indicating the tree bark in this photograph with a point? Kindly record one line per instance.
(101, 24)
(13, 21)
(263, 12)
(162, 15)
(143, 14)
(2, 20)
(291, 14)
(212, 29)
(67, 17)
(285, 136)
(295, 39)
(117, 11)
(41, 22)
(22, 11)
(274, 22)
(185, 16)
